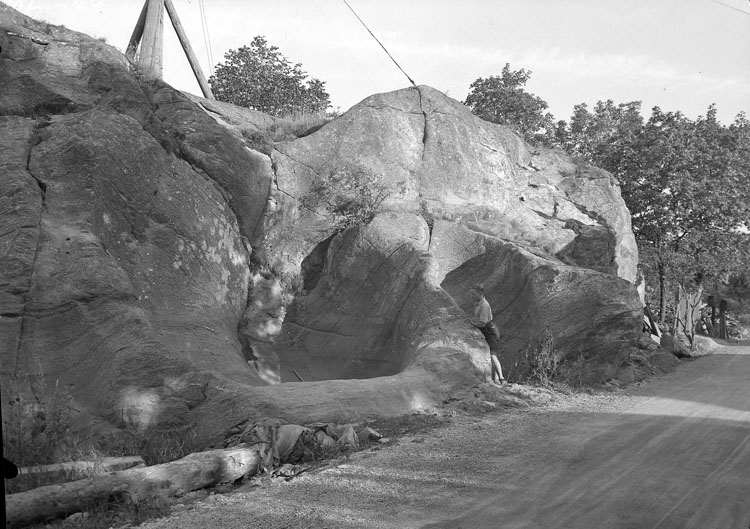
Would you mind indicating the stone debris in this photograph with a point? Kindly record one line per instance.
(348, 437)
(282, 446)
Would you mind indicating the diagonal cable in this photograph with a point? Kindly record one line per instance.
(381, 44)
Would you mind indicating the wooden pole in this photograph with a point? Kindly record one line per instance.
(152, 44)
(135, 38)
(723, 319)
(192, 59)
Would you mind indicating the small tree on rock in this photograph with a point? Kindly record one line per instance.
(352, 194)
(260, 77)
(503, 100)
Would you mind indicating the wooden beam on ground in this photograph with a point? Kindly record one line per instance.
(192, 59)
(192, 472)
(152, 44)
(135, 38)
(105, 464)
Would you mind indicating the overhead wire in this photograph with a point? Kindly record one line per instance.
(732, 7)
(206, 36)
(321, 13)
(381, 44)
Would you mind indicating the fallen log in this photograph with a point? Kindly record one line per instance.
(192, 472)
(105, 464)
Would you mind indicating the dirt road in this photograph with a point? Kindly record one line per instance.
(673, 453)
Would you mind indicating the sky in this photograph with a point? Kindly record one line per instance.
(680, 55)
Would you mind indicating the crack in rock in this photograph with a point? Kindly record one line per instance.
(282, 153)
(33, 141)
(35, 40)
(319, 331)
(424, 133)
(390, 107)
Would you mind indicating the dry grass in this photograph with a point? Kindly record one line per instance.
(37, 431)
(111, 515)
(287, 128)
(296, 126)
(36, 420)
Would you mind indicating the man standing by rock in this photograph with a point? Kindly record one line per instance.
(483, 321)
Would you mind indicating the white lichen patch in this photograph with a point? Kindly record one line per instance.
(226, 253)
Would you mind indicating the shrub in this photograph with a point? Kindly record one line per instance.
(156, 445)
(36, 420)
(542, 360)
(37, 431)
(352, 194)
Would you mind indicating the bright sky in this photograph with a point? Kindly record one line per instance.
(676, 54)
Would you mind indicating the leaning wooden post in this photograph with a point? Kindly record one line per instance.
(723, 319)
(152, 45)
(192, 59)
(135, 38)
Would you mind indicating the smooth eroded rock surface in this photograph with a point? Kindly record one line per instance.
(162, 271)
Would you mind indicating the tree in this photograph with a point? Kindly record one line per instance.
(686, 184)
(502, 99)
(261, 78)
(603, 136)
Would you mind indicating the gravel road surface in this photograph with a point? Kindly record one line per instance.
(670, 453)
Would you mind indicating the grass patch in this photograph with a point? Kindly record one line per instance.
(37, 431)
(287, 128)
(36, 420)
(154, 445)
(112, 514)
(296, 126)
(258, 141)
(538, 364)
(393, 427)
(157, 445)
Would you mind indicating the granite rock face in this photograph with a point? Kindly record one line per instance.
(553, 238)
(124, 271)
(450, 165)
(165, 272)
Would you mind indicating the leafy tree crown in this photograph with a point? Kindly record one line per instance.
(684, 181)
(502, 99)
(260, 77)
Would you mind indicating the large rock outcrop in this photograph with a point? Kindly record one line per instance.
(454, 166)
(165, 272)
(124, 269)
(554, 237)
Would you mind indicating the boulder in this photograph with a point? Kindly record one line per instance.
(674, 345)
(475, 184)
(588, 314)
(124, 272)
(451, 165)
(663, 362)
(164, 271)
